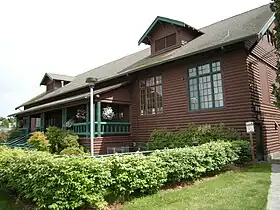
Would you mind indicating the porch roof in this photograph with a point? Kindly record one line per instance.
(85, 96)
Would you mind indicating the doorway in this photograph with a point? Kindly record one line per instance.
(259, 142)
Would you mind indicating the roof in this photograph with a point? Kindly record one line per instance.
(165, 20)
(70, 99)
(59, 77)
(238, 28)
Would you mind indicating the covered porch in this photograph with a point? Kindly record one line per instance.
(74, 114)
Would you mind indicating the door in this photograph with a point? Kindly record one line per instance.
(259, 142)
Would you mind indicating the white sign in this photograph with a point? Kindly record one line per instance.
(250, 127)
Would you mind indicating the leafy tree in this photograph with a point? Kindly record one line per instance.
(275, 6)
(6, 121)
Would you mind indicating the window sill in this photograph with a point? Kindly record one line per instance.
(207, 110)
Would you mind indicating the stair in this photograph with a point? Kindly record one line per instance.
(19, 142)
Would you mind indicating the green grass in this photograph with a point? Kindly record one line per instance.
(5, 203)
(244, 189)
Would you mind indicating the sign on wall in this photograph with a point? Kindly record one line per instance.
(250, 127)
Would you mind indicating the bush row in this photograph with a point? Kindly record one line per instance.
(68, 183)
(193, 135)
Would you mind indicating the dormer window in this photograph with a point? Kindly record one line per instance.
(166, 34)
(55, 81)
(165, 42)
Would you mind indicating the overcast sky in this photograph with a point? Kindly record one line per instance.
(70, 37)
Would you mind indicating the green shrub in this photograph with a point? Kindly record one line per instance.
(243, 150)
(15, 133)
(61, 139)
(72, 151)
(70, 183)
(55, 183)
(135, 175)
(3, 136)
(193, 135)
(39, 141)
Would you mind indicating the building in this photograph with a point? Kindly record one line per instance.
(220, 73)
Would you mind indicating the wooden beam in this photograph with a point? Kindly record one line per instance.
(98, 108)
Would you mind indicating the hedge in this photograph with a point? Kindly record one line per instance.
(193, 135)
(68, 183)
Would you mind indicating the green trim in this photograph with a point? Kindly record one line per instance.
(166, 20)
(64, 117)
(211, 73)
(266, 26)
(98, 117)
(106, 128)
(28, 123)
(87, 119)
(42, 123)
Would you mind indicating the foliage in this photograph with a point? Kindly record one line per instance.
(39, 141)
(3, 136)
(61, 139)
(275, 6)
(191, 136)
(14, 133)
(136, 175)
(72, 151)
(69, 183)
(5, 121)
(54, 183)
(244, 188)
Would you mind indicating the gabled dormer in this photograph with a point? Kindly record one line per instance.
(55, 81)
(166, 34)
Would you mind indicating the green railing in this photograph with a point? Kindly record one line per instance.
(105, 128)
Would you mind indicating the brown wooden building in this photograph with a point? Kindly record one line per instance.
(221, 73)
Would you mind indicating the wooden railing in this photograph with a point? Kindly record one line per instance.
(104, 129)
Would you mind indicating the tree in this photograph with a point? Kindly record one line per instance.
(5, 121)
(275, 7)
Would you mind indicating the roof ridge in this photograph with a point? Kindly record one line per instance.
(232, 17)
(59, 74)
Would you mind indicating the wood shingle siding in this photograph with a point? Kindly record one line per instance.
(176, 113)
(262, 73)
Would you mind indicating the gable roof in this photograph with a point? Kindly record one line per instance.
(165, 20)
(59, 77)
(245, 26)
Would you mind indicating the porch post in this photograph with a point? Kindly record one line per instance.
(42, 123)
(98, 118)
(64, 117)
(28, 119)
(87, 120)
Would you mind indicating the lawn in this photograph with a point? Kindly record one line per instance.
(242, 189)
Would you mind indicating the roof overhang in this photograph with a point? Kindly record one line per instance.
(84, 96)
(46, 76)
(165, 20)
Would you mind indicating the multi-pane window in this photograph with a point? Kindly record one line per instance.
(165, 42)
(151, 96)
(205, 86)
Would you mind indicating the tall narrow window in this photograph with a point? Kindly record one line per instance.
(151, 96)
(205, 86)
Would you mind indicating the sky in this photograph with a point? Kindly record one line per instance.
(71, 37)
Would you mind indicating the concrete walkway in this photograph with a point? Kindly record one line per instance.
(274, 191)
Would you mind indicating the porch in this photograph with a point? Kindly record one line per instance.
(76, 119)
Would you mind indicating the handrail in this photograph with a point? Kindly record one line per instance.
(106, 128)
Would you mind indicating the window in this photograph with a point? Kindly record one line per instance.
(151, 96)
(165, 42)
(205, 86)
